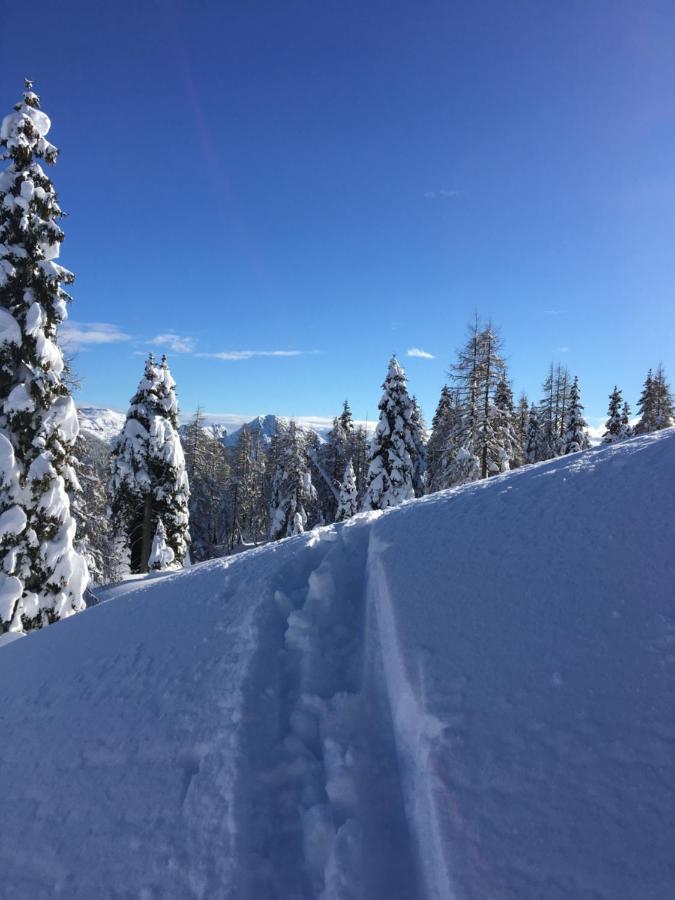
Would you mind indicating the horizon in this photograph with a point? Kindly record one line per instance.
(279, 236)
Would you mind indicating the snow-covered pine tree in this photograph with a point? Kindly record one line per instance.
(43, 578)
(562, 399)
(348, 505)
(476, 374)
(247, 515)
(645, 407)
(576, 436)
(533, 440)
(94, 537)
(441, 427)
(506, 426)
(419, 436)
(208, 475)
(522, 422)
(359, 457)
(625, 420)
(148, 479)
(292, 488)
(330, 461)
(663, 400)
(161, 555)
(614, 424)
(392, 449)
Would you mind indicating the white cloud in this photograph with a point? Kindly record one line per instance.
(249, 354)
(554, 312)
(82, 335)
(419, 354)
(174, 342)
(563, 350)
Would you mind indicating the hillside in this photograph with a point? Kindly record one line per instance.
(469, 697)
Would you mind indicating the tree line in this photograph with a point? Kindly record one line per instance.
(72, 508)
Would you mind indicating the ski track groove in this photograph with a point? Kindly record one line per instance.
(319, 773)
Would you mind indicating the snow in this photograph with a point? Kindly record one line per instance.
(10, 333)
(466, 697)
(106, 423)
(12, 521)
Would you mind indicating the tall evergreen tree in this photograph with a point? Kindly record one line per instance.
(506, 426)
(359, 457)
(292, 488)
(478, 371)
(441, 429)
(148, 479)
(419, 437)
(522, 422)
(391, 463)
(646, 407)
(208, 474)
(614, 427)
(625, 420)
(663, 400)
(576, 436)
(94, 537)
(331, 460)
(348, 505)
(43, 578)
(533, 440)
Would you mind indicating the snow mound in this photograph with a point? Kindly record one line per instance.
(469, 696)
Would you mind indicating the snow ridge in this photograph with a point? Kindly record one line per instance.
(468, 696)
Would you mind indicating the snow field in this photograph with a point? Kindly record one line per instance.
(466, 697)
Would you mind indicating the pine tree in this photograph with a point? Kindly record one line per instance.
(161, 555)
(208, 474)
(292, 488)
(614, 428)
(43, 578)
(148, 478)
(522, 423)
(506, 427)
(576, 437)
(477, 373)
(359, 457)
(625, 420)
(533, 440)
(94, 537)
(419, 437)
(663, 400)
(441, 427)
(646, 407)
(392, 450)
(348, 505)
(330, 461)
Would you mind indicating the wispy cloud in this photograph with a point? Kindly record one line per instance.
(83, 335)
(554, 312)
(419, 354)
(440, 195)
(250, 354)
(562, 350)
(174, 342)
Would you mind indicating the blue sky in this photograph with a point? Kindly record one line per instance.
(344, 180)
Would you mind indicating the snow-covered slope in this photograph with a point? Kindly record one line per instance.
(469, 697)
(103, 423)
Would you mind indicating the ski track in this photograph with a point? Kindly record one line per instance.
(352, 715)
(320, 775)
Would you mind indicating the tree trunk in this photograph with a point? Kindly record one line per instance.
(146, 538)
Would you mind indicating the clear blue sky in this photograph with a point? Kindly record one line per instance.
(353, 178)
